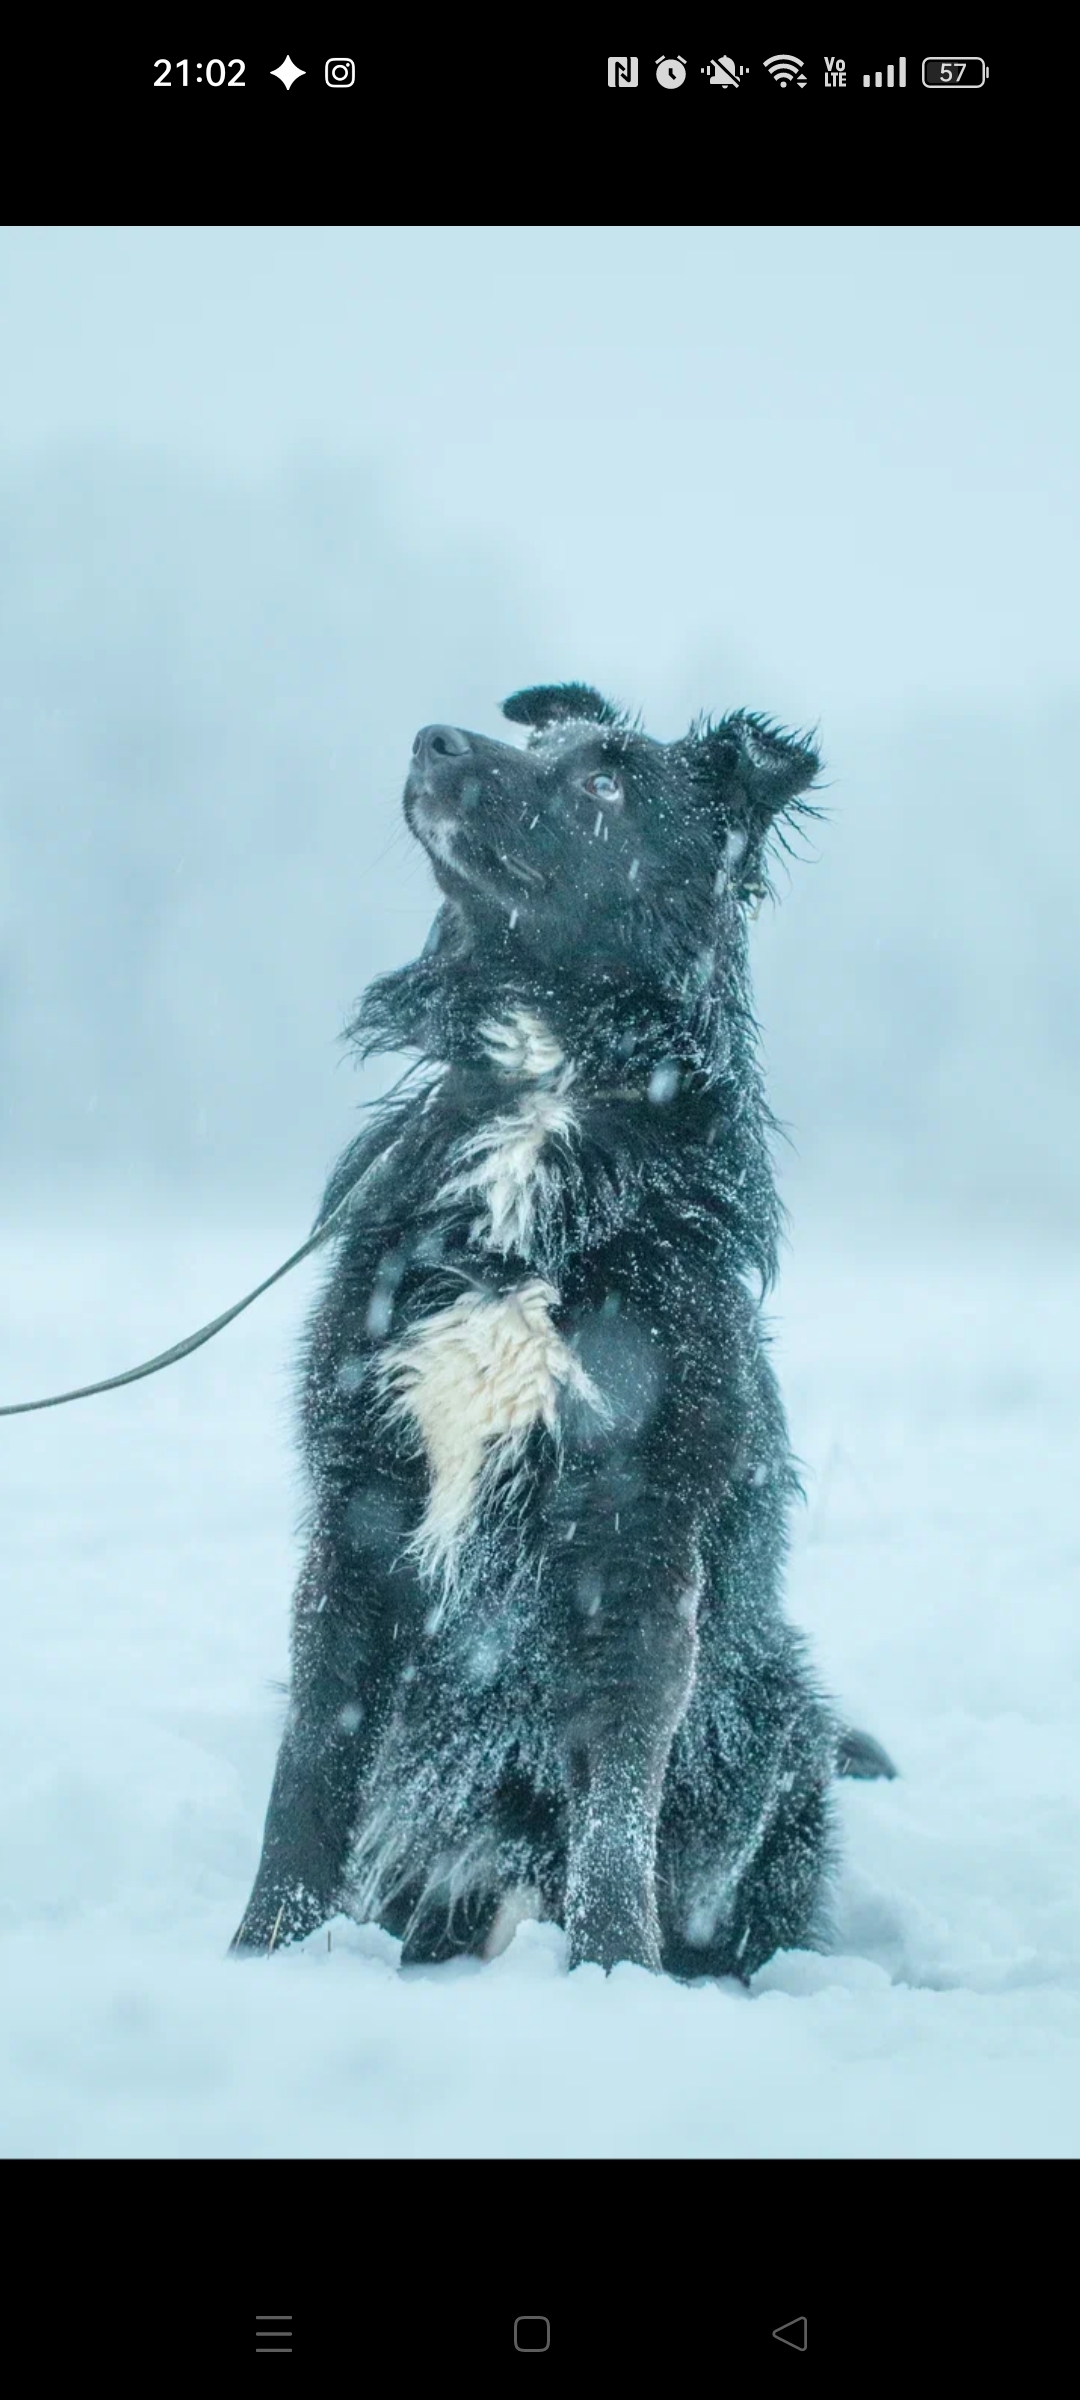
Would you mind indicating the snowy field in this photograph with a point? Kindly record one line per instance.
(148, 1551)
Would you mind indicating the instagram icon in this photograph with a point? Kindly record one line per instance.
(340, 72)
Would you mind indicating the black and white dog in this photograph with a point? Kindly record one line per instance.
(540, 1664)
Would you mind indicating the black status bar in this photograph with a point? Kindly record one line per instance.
(292, 77)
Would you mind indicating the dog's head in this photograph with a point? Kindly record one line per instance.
(594, 841)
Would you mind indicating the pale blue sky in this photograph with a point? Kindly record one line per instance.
(805, 468)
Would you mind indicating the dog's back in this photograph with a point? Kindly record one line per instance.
(540, 1660)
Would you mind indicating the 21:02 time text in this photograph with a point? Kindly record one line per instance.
(215, 71)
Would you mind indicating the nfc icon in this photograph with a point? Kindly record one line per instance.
(622, 70)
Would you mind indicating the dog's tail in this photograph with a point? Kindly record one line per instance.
(858, 1754)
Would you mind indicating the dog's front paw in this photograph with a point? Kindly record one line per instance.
(600, 1938)
(274, 1923)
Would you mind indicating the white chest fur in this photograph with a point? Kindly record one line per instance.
(502, 1165)
(473, 1380)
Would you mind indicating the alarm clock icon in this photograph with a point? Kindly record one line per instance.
(671, 72)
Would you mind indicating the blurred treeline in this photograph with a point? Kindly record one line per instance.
(207, 694)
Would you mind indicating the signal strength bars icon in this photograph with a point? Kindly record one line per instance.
(889, 76)
(785, 70)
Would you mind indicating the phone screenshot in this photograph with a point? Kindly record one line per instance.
(539, 1299)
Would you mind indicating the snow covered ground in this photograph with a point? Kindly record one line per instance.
(148, 1552)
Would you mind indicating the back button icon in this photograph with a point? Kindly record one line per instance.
(793, 2333)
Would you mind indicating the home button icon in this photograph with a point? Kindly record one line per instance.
(532, 2333)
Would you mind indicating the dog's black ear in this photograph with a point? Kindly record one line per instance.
(550, 703)
(749, 758)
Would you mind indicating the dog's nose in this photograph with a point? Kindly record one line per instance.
(437, 742)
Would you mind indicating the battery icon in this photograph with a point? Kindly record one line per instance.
(954, 74)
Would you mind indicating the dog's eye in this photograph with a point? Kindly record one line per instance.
(605, 788)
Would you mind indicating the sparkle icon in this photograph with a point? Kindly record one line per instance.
(288, 73)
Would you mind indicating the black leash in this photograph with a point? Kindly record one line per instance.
(167, 1358)
(194, 1341)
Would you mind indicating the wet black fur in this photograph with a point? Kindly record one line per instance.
(613, 1708)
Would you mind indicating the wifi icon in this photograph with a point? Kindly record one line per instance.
(785, 70)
